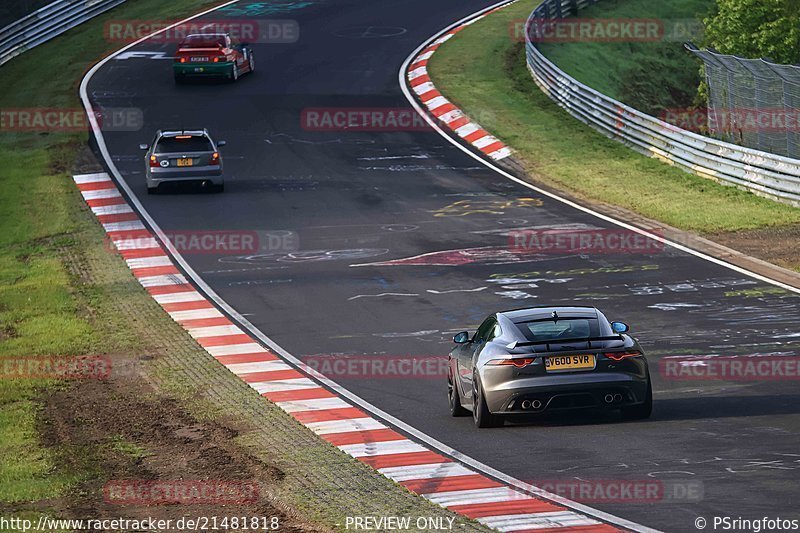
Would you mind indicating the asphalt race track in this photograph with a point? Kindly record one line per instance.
(357, 198)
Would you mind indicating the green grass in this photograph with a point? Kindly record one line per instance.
(42, 313)
(649, 76)
(484, 73)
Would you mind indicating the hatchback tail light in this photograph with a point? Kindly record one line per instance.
(215, 158)
(153, 161)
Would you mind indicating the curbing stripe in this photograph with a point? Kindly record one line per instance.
(447, 113)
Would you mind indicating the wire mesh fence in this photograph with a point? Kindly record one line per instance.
(753, 102)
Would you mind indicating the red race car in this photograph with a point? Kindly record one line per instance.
(212, 55)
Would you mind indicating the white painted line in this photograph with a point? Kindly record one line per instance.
(466, 129)
(97, 177)
(111, 209)
(317, 404)
(435, 102)
(451, 116)
(215, 331)
(178, 297)
(417, 72)
(163, 281)
(195, 314)
(236, 349)
(344, 426)
(550, 519)
(443, 39)
(475, 496)
(429, 471)
(240, 369)
(502, 153)
(423, 88)
(149, 262)
(486, 140)
(145, 243)
(284, 385)
(100, 194)
(374, 449)
(128, 225)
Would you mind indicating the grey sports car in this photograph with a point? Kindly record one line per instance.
(544, 359)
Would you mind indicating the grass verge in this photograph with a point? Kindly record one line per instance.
(483, 71)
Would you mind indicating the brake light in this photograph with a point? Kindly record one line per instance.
(216, 59)
(516, 362)
(183, 136)
(183, 60)
(153, 161)
(215, 158)
(619, 356)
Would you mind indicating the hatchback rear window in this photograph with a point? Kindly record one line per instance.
(564, 328)
(168, 145)
(203, 41)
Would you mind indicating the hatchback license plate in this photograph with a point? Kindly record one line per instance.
(199, 60)
(558, 363)
(185, 162)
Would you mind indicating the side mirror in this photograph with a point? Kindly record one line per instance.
(143, 147)
(619, 327)
(221, 144)
(461, 338)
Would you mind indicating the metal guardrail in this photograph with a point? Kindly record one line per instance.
(48, 22)
(762, 173)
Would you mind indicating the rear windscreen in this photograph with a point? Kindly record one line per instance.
(169, 145)
(203, 41)
(564, 328)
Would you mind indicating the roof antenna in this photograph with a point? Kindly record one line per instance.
(555, 316)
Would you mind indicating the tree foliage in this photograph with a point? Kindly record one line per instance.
(756, 28)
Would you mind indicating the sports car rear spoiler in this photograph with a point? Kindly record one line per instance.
(514, 345)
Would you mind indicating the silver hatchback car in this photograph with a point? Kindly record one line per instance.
(183, 156)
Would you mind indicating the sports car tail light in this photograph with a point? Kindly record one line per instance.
(215, 158)
(516, 362)
(153, 161)
(619, 356)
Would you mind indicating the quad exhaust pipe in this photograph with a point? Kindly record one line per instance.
(613, 398)
(535, 404)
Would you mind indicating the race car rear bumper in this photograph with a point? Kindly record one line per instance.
(573, 391)
(202, 70)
